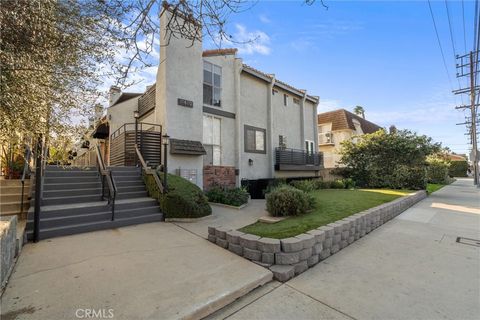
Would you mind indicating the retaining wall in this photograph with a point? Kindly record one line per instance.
(8, 247)
(289, 257)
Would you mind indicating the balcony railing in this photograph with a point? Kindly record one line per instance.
(325, 138)
(294, 159)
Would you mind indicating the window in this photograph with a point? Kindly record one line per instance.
(255, 140)
(296, 101)
(309, 146)
(212, 89)
(285, 99)
(212, 141)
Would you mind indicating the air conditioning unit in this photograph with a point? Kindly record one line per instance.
(328, 137)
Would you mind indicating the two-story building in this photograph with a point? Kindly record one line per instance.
(227, 121)
(336, 126)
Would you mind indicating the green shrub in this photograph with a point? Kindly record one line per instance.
(288, 201)
(304, 185)
(337, 184)
(228, 196)
(458, 169)
(406, 177)
(274, 184)
(183, 199)
(349, 183)
(437, 170)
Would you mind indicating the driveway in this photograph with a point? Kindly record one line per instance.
(149, 271)
(410, 268)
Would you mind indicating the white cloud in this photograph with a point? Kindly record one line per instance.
(328, 105)
(248, 42)
(264, 19)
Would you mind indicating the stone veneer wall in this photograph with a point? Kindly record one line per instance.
(218, 175)
(289, 257)
(8, 247)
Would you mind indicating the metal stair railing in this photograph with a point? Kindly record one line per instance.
(106, 175)
(149, 170)
(26, 170)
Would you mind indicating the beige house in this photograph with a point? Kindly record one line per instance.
(337, 126)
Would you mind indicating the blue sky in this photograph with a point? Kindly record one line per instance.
(383, 56)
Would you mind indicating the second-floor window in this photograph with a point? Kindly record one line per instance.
(212, 84)
(255, 140)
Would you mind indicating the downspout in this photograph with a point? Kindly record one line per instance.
(238, 120)
(302, 119)
(270, 150)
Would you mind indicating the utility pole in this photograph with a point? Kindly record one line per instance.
(471, 64)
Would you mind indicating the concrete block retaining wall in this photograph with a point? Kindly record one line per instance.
(8, 247)
(289, 257)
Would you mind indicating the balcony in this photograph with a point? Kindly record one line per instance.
(297, 160)
(326, 138)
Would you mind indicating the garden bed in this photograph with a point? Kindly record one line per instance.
(331, 205)
(290, 256)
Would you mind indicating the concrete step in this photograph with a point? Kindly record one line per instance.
(68, 220)
(71, 186)
(128, 188)
(125, 169)
(72, 173)
(130, 183)
(49, 169)
(53, 211)
(13, 189)
(135, 173)
(12, 197)
(129, 195)
(12, 183)
(98, 225)
(71, 199)
(13, 206)
(66, 192)
(126, 178)
(69, 180)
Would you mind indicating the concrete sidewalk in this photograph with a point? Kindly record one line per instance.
(149, 271)
(409, 268)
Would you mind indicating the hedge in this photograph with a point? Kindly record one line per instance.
(458, 169)
(183, 199)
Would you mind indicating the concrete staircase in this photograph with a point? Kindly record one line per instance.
(11, 195)
(72, 202)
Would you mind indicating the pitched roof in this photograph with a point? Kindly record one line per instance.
(282, 84)
(125, 96)
(342, 119)
(178, 146)
(219, 52)
(456, 157)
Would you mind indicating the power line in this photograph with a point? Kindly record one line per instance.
(464, 32)
(440, 45)
(451, 30)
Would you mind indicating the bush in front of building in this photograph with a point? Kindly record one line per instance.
(306, 185)
(458, 169)
(229, 196)
(437, 170)
(286, 200)
(183, 199)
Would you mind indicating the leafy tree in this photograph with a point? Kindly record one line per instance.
(381, 159)
(359, 111)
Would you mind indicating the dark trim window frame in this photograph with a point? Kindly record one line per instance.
(250, 139)
(212, 84)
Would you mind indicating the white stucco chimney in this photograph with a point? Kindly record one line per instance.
(114, 93)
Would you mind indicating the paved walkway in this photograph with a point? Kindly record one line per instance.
(149, 271)
(410, 268)
(228, 217)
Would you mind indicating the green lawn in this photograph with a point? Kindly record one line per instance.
(432, 187)
(332, 205)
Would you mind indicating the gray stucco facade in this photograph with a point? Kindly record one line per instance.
(249, 98)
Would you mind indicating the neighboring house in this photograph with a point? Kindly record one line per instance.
(227, 121)
(337, 126)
